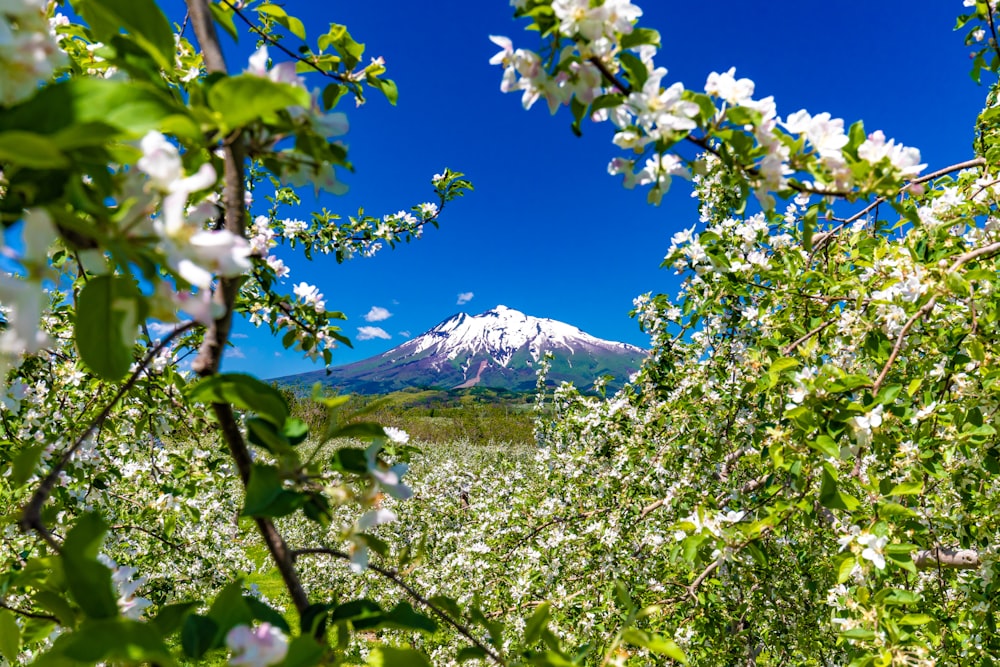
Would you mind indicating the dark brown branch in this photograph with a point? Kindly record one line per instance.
(28, 614)
(993, 28)
(394, 577)
(209, 356)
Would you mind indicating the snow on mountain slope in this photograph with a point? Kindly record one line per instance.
(500, 348)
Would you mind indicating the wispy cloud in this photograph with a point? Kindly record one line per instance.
(235, 353)
(377, 314)
(465, 297)
(239, 335)
(367, 333)
(405, 333)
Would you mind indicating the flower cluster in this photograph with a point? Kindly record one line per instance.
(29, 52)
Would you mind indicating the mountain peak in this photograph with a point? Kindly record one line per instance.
(499, 348)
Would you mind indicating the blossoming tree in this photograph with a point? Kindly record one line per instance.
(803, 472)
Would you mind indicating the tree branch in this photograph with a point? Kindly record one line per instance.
(985, 251)
(955, 559)
(31, 515)
(820, 241)
(281, 47)
(392, 576)
(209, 356)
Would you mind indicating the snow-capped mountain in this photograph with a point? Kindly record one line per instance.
(500, 348)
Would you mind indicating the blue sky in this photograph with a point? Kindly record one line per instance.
(546, 230)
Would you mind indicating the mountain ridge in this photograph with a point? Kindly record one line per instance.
(499, 348)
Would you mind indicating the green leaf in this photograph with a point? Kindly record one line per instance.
(129, 107)
(240, 100)
(109, 310)
(89, 581)
(470, 653)
(10, 636)
(538, 621)
(388, 88)
(58, 606)
(360, 430)
(830, 496)
(362, 613)
(447, 604)
(303, 651)
(198, 635)
(171, 617)
(845, 568)
(280, 16)
(637, 72)
(915, 619)
(242, 391)
(902, 555)
(223, 15)
(28, 149)
(266, 495)
(264, 434)
(622, 595)
(261, 611)
(25, 463)
(907, 489)
(114, 640)
(826, 445)
(655, 644)
(386, 656)
(404, 617)
(895, 511)
(229, 609)
(295, 430)
(142, 19)
(858, 633)
(640, 36)
(350, 459)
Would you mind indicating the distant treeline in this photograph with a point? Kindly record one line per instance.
(434, 416)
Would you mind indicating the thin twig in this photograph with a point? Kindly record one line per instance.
(28, 614)
(392, 576)
(31, 516)
(795, 344)
(820, 241)
(985, 251)
(281, 47)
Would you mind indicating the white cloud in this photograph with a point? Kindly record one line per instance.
(405, 333)
(239, 335)
(377, 314)
(235, 353)
(367, 333)
(160, 329)
(465, 297)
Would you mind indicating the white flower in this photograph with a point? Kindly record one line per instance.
(736, 92)
(873, 548)
(396, 435)
(258, 647)
(387, 478)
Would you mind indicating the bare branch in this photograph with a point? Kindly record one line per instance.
(955, 559)
(394, 577)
